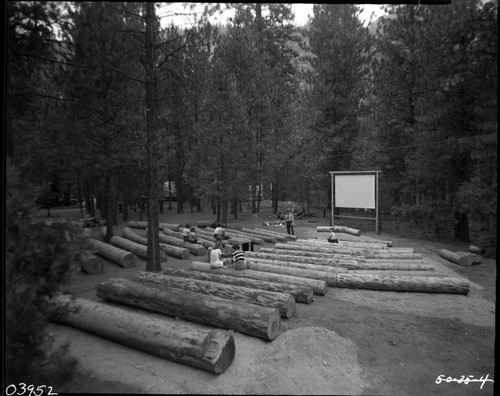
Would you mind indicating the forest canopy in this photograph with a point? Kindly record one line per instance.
(103, 104)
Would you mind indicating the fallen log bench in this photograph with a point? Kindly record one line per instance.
(281, 236)
(294, 264)
(323, 265)
(302, 294)
(134, 247)
(464, 259)
(319, 287)
(345, 230)
(284, 302)
(205, 241)
(305, 257)
(185, 343)
(330, 278)
(421, 284)
(321, 249)
(114, 254)
(253, 320)
(174, 251)
(393, 256)
(194, 248)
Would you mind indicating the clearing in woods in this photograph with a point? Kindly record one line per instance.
(348, 342)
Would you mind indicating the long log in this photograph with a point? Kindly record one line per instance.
(264, 235)
(134, 247)
(302, 294)
(255, 239)
(117, 255)
(421, 284)
(174, 251)
(397, 256)
(277, 234)
(396, 261)
(250, 319)
(173, 227)
(341, 236)
(333, 257)
(400, 272)
(345, 230)
(194, 248)
(319, 287)
(137, 224)
(285, 303)
(232, 238)
(204, 241)
(344, 266)
(306, 266)
(348, 264)
(185, 343)
(305, 247)
(330, 278)
(90, 263)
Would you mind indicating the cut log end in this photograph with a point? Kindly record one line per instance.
(224, 342)
(274, 325)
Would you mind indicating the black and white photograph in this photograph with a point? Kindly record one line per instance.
(250, 198)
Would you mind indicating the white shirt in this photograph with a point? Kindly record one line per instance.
(332, 236)
(215, 261)
(219, 231)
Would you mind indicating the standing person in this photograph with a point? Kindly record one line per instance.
(332, 238)
(238, 258)
(185, 233)
(289, 222)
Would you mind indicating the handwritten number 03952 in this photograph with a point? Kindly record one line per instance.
(28, 390)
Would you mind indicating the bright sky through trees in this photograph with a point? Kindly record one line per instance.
(182, 14)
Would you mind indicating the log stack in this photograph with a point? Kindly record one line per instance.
(250, 319)
(319, 287)
(134, 247)
(90, 263)
(186, 343)
(284, 302)
(345, 230)
(302, 294)
(171, 250)
(115, 254)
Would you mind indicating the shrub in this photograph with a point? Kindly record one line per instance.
(38, 261)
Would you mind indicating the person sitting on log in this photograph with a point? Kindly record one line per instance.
(185, 233)
(332, 238)
(192, 238)
(219, 232)
(216, 257)
(238, 258)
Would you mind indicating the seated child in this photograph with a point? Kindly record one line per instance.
(185, 233)
(192, 238)
(332, 238)
(238, 258)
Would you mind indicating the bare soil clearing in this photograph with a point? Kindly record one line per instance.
(349, 342)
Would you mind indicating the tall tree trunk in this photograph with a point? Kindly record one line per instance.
(153, 255)
(462, 227)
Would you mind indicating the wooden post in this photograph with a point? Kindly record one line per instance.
(250, 319)
(185, 343)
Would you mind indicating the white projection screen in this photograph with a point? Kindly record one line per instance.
(355, 191)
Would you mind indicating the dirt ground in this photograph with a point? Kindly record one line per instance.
(349, 342)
